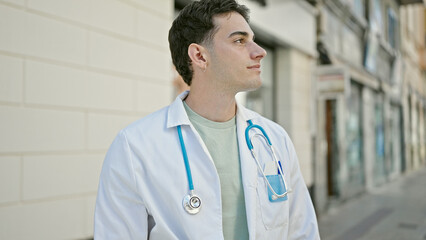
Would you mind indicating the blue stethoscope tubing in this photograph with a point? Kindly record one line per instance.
(185, 159)
(192, 203)
(265, 136)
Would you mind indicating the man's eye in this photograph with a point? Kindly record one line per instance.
(239, 40)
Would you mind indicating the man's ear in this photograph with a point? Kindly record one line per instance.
(198, 56)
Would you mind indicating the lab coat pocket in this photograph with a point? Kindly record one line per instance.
(273, 213)
(278, 187)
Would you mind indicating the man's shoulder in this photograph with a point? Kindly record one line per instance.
(151, 122)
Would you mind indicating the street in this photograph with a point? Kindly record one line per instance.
(395, 211)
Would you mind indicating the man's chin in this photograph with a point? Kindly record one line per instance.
(256, 85)
(250, 86)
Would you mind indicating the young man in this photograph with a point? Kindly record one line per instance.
(186, 171)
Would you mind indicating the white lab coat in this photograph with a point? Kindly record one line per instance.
(143, 182)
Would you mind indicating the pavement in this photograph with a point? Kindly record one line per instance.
(395, 211)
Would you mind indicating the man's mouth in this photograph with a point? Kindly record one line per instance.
(256, 66)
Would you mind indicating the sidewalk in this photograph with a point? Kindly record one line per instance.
(396, 211)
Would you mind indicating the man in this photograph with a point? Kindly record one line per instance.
(197, 147)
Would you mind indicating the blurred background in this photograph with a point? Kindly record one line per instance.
(345, 78)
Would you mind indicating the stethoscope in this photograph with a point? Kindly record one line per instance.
(192, 203)
(265, 137)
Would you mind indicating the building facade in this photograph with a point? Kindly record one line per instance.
(412, 47)
(367, 109)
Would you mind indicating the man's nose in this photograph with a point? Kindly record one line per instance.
(258, 52)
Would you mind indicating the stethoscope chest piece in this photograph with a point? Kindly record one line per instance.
(191, 204)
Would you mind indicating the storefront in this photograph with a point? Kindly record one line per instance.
(340, 170)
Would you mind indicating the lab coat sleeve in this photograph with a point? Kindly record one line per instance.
(120, 212)
(303, 222)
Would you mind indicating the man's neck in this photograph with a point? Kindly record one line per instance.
(212, 105)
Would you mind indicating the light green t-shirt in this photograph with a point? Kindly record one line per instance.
(220, 139)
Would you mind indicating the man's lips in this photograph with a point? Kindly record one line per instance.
(256, 66)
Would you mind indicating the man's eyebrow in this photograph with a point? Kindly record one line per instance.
(242, 33)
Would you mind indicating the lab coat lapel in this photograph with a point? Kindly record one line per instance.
(248, 169)
(176, 114)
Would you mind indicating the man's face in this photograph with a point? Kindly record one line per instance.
(234, 56)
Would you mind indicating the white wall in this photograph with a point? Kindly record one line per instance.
(294, 104)
(72, 73)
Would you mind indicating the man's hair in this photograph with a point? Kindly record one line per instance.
(195, 25)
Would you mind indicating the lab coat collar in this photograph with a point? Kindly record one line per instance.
(177, 115)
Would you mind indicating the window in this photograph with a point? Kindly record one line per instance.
(376, 21)
(379, 164)
(357, 7)
(354, 139)
(392, 28)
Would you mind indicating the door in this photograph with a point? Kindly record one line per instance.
(332, 152)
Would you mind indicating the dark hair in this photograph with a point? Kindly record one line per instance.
(195, 25)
